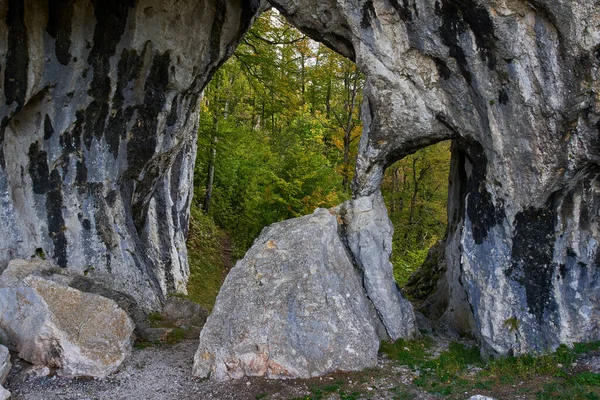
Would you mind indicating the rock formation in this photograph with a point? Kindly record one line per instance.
(294, 307)
(98, 120)
(51, 324)
(368, 232)
(516, 85)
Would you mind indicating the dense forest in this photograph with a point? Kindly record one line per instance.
(279, 128)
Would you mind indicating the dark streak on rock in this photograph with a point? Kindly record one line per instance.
(480, 208)
(458, 16)
(38, 168)
(442, 68)
(215, 31)
(101, 217)
(128, 69)
(368, 12)
(60, 16)
(81, 172)
(503, 96)
(111, 18)
(111, 198)
(532, 252)
(142, 145)
(403, 10)
(48, 128)
(56, 223)
(17, 57)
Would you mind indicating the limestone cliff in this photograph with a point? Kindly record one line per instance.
(99, 112)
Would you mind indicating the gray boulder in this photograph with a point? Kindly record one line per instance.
(5, 364)
(52, 324)
(368, 232)
(294, 307)
(183, 312)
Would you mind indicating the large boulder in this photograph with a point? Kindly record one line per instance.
(49, 323)
(293, 307)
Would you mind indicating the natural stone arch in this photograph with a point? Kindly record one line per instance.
(98, 135)
(517, 84)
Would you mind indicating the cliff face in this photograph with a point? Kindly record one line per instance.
(99, 113)
(98, 121)
(516, 84)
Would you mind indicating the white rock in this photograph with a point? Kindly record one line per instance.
(5, 364)
(481, 397)
(51, 324)
(4, 394)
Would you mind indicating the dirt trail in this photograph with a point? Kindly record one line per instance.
(164, 373)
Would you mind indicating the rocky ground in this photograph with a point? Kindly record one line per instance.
(164, 372)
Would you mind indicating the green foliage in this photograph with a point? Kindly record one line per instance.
(275, 135)
(207, 267)
(412, 353)
(416, 193)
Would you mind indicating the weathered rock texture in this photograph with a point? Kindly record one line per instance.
(368, 232)
(516, 85)
(294, 307)
(52, 324)
(4, 394)
(98, 120)
(5, 366)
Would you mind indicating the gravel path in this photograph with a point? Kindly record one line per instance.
(164, 373)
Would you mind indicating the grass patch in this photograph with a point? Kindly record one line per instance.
(450, 374)
(412, 353)
(205, 259)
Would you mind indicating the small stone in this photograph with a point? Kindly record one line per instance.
(5, 364)
(481, 397)
(36, 371)
(4, 394)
